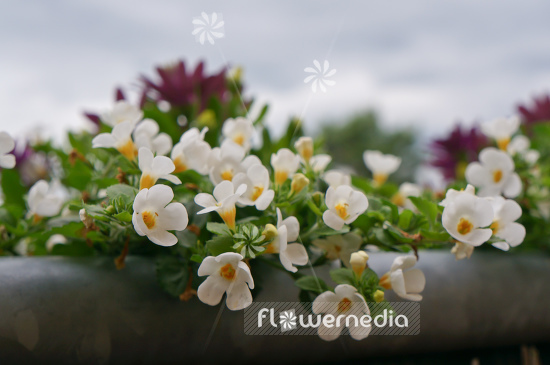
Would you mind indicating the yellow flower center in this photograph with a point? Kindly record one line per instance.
(258, 190)
(146, 181)
(495, 227)
(398, 199)
(342, 210)
(227, 175)
(280, 176)
(150, 219)
(497, 176)
(503, 143)
(228, 272)
(238, 139)
(128, 150)
(228, 216)
(180, 165)
(344, 305)
(464, 226)
(380, 179)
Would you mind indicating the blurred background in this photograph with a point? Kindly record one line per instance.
(424, 65)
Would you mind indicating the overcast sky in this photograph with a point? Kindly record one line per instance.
(428, 63)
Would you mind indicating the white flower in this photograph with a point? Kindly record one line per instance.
(45, 200)
(229, 160)
(155, 215)
(122, 112)
(336, 178)
(501, 130)
(192, 152)
(208, 27)
(147, 135)
(462, 250)
(340, 246)
(463, 217)
(285, 163)
(320, 76)
(381, 165)
(504, 224)
(304, 146)
(239, 130)
(227, 273)
(452, 194)
(7, 144)
(406, 190)
(119, 138)
(257, 191)
(56, 239)
(290, 254)
(344, 206)
(223, 201)
(519, 145)
(154, 168)
(320, 162)
(494, 174)
(344, 302)
(406, 282)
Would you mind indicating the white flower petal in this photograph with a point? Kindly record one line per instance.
(211, 290)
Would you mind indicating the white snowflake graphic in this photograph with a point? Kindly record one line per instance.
(208, 28)
(287, 320)
(320, 76)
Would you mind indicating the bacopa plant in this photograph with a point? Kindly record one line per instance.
(190, 185)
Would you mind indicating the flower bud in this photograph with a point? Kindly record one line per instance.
(110, 210)
(318, 198)
(86, 219)
(358, 262)
(378, 296)
(207, 119)
(304, 146)
(270, 232)
(299, 182)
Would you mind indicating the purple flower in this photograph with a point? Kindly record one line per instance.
(539, 112)
(452, 154)
(181, 89)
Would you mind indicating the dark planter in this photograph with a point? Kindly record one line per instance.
(61, 310)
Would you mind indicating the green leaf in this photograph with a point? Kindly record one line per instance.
(311, 283)
(78, 176)
(71, 229)
(172, 274)
(121, 191)
(219, 245)
(343, 276)
(426, 207)
(363, 184)
(76, 248)
(12, 188)
(393, 210)
(196, 258)
(435, 236)
(405, 219)
(124, 217)
(217, 228)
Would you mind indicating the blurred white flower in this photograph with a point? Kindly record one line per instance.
(304, 146)
(208, 28)
(340, 246)
(257, 191)
(155, 215)
(122, 112)
(501, 130)
(154, 168)
(344, 302)
(290, 254)
(227, 273)
(228, 160)
(284, 163)
(7, 144)
(519, 145)
(504, 224)
(46, 200)
(406, 190)
(56, 239)
(381, 165)
(494, 174)
(452, 194)
(119, 138)
(464, 216)
(192, 152)
(320, 76)
(222, 201)
(239, 130)
(344, 206)
(336, 178)
(146, 134)
(320, 162)
(462, 250)
(406, 282)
